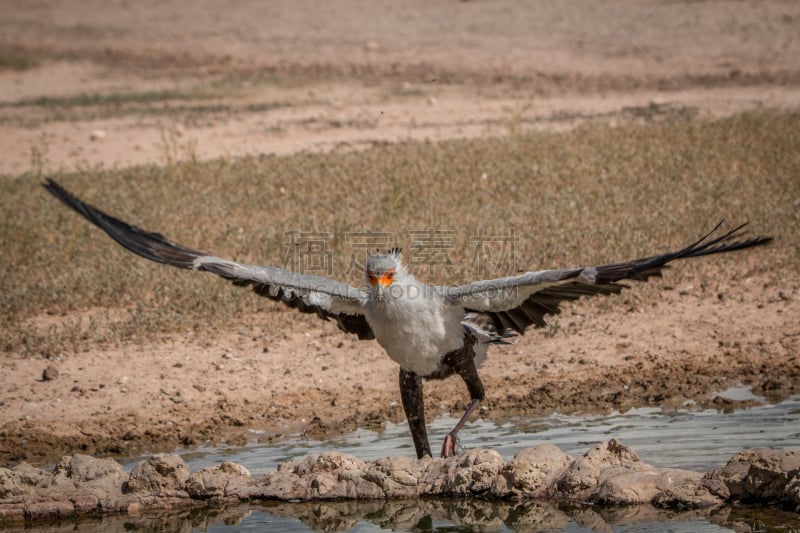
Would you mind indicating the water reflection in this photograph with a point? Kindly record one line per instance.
(440, 515)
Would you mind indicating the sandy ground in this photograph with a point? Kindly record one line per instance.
(352, 74)
(348, 75)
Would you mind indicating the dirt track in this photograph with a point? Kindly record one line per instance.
(296, 76)
(369, 73)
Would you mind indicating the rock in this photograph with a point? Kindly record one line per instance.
(761, 475)
(30, 475)
(791, 493)
(11, 485)
(609, 474)
(617, 487)
(535, 469)
(333, 475)
(327, 462)
(49, 510)
(279, 485)
(22, 480)
(689, 494)
(161, 475)
(79, 484)
(81, 469)
(91, 484)
(327, 475)
(50, 373)
(471, 474)
(214, 481)
(398, 477)
(584, 474)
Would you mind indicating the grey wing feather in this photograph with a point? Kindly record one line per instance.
(326, 297)
(520, 301)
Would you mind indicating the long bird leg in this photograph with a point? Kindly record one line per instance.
(414, 406)
(463, 362)
(450, 445)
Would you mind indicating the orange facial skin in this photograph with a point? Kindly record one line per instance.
(385, 279)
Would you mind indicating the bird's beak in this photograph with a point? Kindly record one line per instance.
(384, 280)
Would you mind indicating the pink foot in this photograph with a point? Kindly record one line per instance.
(450, 446)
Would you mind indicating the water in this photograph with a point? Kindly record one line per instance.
(434, 516)
(692, 439)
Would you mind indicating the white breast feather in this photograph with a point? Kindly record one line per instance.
(416, 332)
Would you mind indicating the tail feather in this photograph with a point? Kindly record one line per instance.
(482, 328)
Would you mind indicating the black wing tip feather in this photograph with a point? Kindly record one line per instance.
(608, 277)
(147, 244)
(66, 197)
(723, 242)
(158, 248)
(642, 269)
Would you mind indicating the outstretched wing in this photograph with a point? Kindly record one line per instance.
(326, 297)
(517, 302)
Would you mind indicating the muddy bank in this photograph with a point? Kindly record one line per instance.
(609, 474)
(319, 413)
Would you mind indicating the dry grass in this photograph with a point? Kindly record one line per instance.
(17, 58)
(590, 196)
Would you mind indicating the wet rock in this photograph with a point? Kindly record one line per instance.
(87, 470)
(689, 494)
(161, 476)
(471, 474)
(21, 480)
(327, 462)
(77, 485)
(583, 475)
(218, 481)
(533, 470)
(49, 510)
(609, 475)
(625, 488)
(11, 485)
(398, 477)
(327, 475)
(761, 475)
(90, 483)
